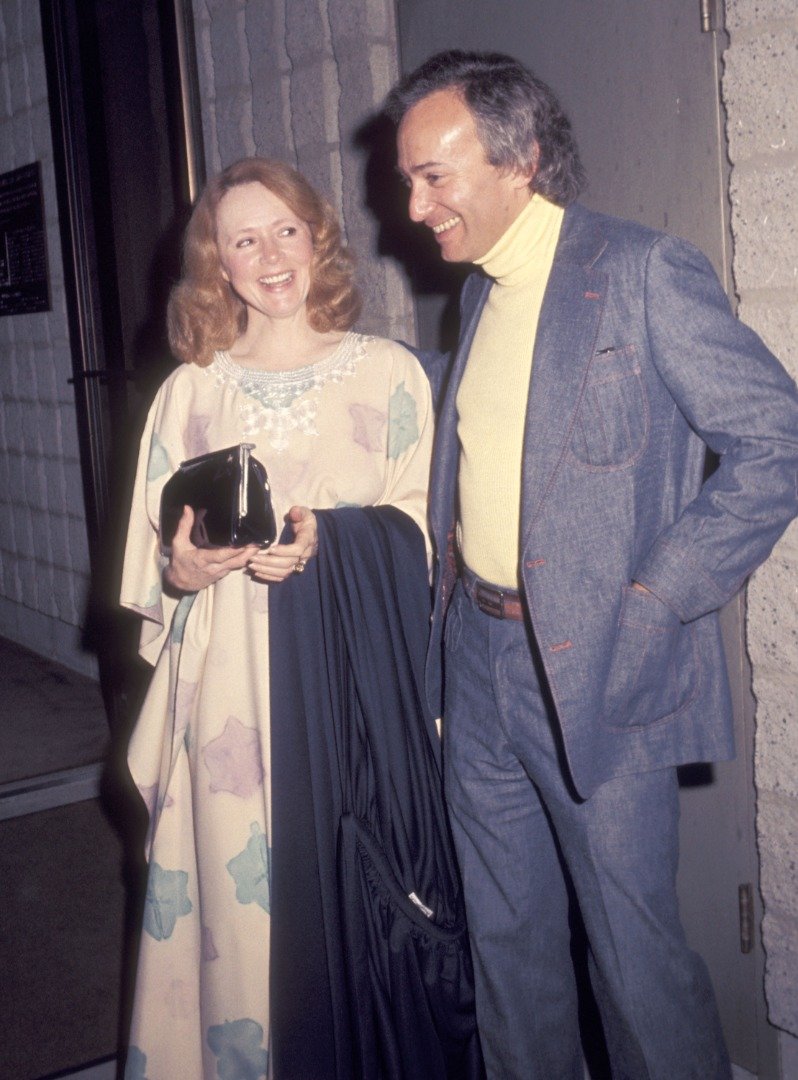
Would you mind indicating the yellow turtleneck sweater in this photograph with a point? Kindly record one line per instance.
(492, 398)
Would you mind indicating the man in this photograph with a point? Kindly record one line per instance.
(581, 566)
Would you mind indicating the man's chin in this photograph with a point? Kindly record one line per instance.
(450, 252)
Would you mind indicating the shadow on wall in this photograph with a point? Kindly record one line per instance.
(400, 239)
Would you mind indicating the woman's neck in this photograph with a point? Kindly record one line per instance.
(282, 344)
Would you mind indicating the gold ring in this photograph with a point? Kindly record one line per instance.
(299, 566)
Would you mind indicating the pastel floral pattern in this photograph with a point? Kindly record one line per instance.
(151, 607)
(209, 950)
(234, 760)
(197, 435)
(166, 901)
(158, 464)
(238, 1045)
(402, 422)
(180, 617)
(251, 870)
(368, 427)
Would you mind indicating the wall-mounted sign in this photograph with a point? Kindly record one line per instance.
(23, 252)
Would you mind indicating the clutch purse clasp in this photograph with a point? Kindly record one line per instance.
(229, 492)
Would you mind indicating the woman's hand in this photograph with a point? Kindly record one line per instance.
(280, 561)
(191, 568)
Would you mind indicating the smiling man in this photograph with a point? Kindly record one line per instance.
(467, 202)
(581, 564)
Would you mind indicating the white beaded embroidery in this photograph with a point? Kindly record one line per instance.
(284, 401)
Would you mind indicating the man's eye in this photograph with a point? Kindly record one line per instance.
(432, 178)
(289, 230)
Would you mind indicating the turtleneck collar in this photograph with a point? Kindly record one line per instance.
(513, 258)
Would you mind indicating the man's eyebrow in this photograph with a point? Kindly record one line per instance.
(418, 168)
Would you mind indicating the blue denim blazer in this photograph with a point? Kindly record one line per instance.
(639, 364)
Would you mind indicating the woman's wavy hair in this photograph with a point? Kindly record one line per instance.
(519, 121)
(204, 312)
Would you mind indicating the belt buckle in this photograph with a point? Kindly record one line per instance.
(491, 601)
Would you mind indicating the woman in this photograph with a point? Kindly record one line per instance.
(262, 320)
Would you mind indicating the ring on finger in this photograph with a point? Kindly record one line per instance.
(299, 566)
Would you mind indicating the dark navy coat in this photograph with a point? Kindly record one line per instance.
(369, 953)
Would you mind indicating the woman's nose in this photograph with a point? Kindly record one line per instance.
(269, 250)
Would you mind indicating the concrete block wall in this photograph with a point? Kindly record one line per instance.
(44, 566)
(295, 80)
(760, 92)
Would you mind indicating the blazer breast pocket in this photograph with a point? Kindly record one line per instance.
(612, 425)
(654, 670)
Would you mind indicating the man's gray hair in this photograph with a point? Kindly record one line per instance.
(519, 121)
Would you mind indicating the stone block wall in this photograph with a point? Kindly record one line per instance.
(760, 91)
(295, 80)
(44, 570)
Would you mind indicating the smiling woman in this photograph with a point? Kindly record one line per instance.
(265, 252)
(244, 221)
(343, 423)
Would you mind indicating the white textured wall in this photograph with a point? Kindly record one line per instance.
(760, 90)
(43, 546)
(295, 79)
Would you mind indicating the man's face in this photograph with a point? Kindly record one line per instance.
(467, 202)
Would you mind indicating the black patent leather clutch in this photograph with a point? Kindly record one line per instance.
(228, 490)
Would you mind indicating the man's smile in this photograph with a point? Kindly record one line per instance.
(446, 225)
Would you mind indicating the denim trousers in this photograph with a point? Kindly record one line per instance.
(521, 833)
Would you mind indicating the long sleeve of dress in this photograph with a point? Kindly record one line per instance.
(161, 450)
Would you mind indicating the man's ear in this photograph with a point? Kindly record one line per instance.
(526, 174)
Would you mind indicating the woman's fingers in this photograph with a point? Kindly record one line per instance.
(191, 568)
(280, 561)
(277, 563)
(306, 534)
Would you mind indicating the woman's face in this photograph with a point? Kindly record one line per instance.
(265, 250)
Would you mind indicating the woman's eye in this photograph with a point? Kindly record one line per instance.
(289, 230)
(245, 241)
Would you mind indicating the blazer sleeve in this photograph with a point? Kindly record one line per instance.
(736, 395)
(436, 365)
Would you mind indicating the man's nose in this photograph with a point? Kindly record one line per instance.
(418, 203)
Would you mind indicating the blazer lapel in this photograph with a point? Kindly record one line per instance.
(564, 346)
(446, 454)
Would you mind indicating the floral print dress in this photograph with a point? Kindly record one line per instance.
(353, 430)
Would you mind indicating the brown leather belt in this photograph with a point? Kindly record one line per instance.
(498, 603)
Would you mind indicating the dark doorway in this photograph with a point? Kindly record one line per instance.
(125, 137)
(123, 127)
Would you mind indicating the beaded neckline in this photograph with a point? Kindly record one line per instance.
(282, 401)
